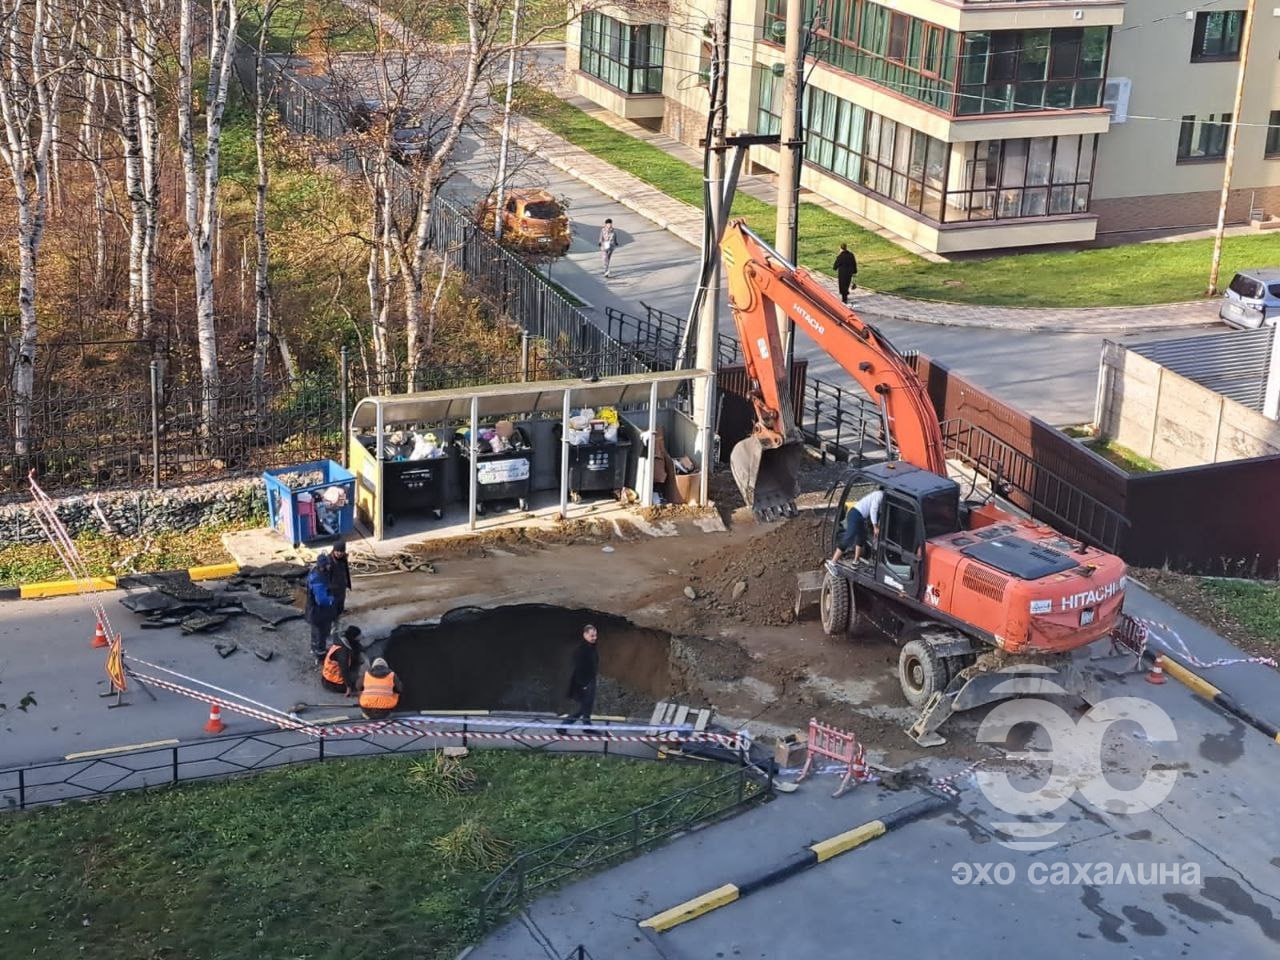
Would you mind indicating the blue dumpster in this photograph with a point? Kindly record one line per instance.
(311, 501)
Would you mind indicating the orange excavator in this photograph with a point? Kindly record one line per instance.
(985, 604)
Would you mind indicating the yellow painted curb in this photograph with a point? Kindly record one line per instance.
(841, 842)
(1184, 676)
(691, 909)
(216, 571)
(63, 588)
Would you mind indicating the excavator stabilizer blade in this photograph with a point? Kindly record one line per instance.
(767, 478)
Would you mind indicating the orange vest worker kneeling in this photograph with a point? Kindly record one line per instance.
(381, 693)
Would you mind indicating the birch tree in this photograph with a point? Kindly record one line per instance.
(262, 261)
(200, 170)
(31, 36)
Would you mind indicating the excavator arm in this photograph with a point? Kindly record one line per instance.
(763, 287)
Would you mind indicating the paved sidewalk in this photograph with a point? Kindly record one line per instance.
(685, 222)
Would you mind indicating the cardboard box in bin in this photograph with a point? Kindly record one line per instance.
(682, 487)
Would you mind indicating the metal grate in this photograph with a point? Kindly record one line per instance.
(1232, 364)
(984, 582)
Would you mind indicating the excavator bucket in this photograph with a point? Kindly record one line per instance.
(768, 478)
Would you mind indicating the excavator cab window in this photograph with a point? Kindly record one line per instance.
(941, 513)
(901, 545)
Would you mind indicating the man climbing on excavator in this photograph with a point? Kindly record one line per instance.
(864, 513)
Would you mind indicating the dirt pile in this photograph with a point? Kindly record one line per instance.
(755, 582)
(524, 540)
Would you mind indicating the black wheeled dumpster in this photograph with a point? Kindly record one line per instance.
(597, 465)
(413, 486)
(499, 476)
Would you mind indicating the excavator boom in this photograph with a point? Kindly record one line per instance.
(764, 289)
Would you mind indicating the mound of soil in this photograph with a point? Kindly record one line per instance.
(762, 572)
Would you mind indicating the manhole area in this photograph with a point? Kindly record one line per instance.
(520, 658)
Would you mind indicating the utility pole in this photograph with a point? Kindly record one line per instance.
(791, 151)
(709, 314)
(505, 146)
(1246, 32)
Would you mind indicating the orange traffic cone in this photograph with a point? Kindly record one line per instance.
(215, 724)
(1157, 670)
(99, 637)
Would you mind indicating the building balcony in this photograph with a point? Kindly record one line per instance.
(963, 15)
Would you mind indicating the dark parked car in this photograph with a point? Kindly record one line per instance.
(410, 139)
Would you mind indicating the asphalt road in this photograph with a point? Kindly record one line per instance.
(949, 885)
(1051, 375)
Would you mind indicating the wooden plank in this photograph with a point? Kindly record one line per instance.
(659, 711)
(681, 716)
(704, 717)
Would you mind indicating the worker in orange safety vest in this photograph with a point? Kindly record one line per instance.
(341, 661)
(381, 693)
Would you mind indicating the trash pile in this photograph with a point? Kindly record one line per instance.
(327, 509)
(588, 426)
(503, 437)
(411, 445)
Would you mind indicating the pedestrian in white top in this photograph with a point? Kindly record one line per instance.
(854, 532)
(608, 243)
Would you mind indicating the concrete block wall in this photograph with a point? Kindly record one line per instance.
(1175, 421)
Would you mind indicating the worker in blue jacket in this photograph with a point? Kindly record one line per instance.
(321, 610)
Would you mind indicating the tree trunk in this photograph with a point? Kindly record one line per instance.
(505, 145)
(131, 142)
(261, 279)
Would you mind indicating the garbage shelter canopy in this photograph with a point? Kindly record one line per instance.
(539, 396)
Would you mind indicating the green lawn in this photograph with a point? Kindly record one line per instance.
(310, 26)
(339, 860)
(445, 21)
(1255, 605)
(1134, 274)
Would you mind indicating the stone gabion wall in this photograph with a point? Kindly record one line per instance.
(134, 512)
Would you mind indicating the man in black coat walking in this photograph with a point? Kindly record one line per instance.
(846, 267)
(582, 684)
(339, 580)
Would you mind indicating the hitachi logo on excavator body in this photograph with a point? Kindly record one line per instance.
(1091, 598)
(808, 318)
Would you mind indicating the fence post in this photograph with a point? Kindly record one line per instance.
(635, 829)
(155, 425)
(524, 356)
(342, 407)
(322, 749)
(174, 752)
(22, 789)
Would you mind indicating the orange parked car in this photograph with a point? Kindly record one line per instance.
(532, 220)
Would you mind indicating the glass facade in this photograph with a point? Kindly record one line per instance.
(1008, 71)
(1217, 36)
(622, 55)
(1003, 71)
(946, 183)
(1025, 177)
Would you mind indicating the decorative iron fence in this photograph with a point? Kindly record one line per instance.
(620, 837)
(91, 777)
(1048, 495)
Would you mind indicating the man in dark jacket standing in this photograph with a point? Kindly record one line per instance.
(339, 578)
(320, 611)
(582, 684)
(846, 267)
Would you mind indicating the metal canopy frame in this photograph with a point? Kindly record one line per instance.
(472, 404)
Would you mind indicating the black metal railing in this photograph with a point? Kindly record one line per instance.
(1047, 496)
(607, 842)
(90, 777)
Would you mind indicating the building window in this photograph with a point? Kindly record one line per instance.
(1217, 35)
(622, 55)
(1273, 134)
(769, 111)
(1027, 177)
(1203, 138)
(1008, 71)
(901, 53)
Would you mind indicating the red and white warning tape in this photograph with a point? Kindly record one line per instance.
(948, 784)
(1168, 638)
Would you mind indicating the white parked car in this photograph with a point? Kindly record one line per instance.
(1252, 299)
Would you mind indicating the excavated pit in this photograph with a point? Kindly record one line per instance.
(520, 657)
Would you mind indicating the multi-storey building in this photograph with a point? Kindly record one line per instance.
(973, 124)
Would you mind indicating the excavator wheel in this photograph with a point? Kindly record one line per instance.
(922, 672)
(835, 604)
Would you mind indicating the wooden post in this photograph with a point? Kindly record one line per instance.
(564, 457)
(473, 442)
(1232, 135)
